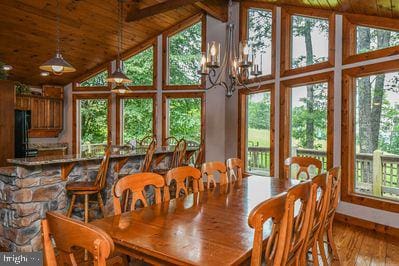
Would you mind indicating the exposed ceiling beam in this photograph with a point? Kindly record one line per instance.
(135, 14)
(216, 8)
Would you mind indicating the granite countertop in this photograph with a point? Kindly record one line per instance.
(48, 146)
(8, 171)
(59, 159)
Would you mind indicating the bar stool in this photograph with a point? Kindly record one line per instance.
(86, 188)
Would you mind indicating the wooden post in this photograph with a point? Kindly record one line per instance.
(377, 173)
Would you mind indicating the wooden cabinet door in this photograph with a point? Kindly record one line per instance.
(22, 103)
(38, 113)
(53, 113)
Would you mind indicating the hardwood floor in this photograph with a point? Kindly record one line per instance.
(358, 246)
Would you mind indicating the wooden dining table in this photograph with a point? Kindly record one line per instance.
(204, 228)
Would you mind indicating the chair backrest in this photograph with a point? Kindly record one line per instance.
(135, 184)
(273, 209)
(320, 191)
(179, 154)
(180, 175)
(297, 225)
(171, 141)
(200, 159)
(69, 233)
(209, 168)
(304, 163)
(235, 163)
(101, 177)
(147, 140)
(335, 175)
(146, 164)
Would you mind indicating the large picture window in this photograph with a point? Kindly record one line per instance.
(135, 117)
(256, 130)
(182, 55)
(307, 119)
(184, 116)
(91, 124)
(371, 135)
(257, 27)
(94, 80)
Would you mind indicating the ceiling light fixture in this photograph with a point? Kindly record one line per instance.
(57, 65)
(236, 69)
(44, 74)
(7, 67)
(118, 78)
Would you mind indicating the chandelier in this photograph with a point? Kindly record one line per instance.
(57, 65)
(118, 78)
(237, 69)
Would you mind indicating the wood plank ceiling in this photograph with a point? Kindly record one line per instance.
(89, 29)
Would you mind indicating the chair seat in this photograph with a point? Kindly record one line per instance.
(81, 186)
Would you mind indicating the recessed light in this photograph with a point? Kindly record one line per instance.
(44, 74)
(7, 67)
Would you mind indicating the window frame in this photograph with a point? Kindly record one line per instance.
(119, 111)
(285, 114)
(138, 49)
(244, 7)
(242, 122)
(350, 22)
(89, 74)
(286, 14)
(89, 96)
(177, 95)
(200, 17)
(348, 136)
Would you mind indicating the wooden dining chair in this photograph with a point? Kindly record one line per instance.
(298, 222)
(304, 163)
(235, 165)
(180, 175)
(321, 190)
(147, 140)
(177, 160)
(335, 175)
(273, 209)
(208, 169)
(200, 158)
(87, 188)
(69, 234)
(147, 162)
(135, 184)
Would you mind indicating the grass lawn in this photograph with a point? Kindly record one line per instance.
(261, 136)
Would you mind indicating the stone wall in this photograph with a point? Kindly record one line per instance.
(27, 193)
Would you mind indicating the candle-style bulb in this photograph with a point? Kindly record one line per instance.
(213, 49)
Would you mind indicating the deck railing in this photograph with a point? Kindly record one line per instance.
(376, 174)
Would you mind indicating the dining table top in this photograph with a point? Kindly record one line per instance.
(204, 228)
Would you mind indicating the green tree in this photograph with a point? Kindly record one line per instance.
(97, 80)
(139, 68)
(94, 117)
(137, 119)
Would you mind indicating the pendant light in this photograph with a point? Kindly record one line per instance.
(57, 65)
(118, 78)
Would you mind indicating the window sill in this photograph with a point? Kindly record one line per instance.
(372, 202)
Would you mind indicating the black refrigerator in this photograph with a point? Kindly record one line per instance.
(22, 125)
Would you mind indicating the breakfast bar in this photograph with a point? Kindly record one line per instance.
(32, 186)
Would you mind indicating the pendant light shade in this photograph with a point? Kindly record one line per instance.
(120, 88)
(57, 65)
(118, 77)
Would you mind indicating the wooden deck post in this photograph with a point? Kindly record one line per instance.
(377, 173)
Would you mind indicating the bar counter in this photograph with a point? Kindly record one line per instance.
(32, 186)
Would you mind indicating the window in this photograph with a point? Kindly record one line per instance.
(91, 120)
(94, 80)
(256, 130)
(372, 163)
(183, 55)
(135, 117)
(309, 119)
(366, 37)
(307, 41)
(258, 29)
(139, 67)
(184, 116)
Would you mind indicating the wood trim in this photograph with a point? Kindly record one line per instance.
(350, 21)
(120, 97)
(244, 7)
(348, 136)
(286, 13)
(379, 228)
(172, 31)
(285, 110)
(242, 121)
(89, 74)
(171, 95)
(75, 97)
(138, 49)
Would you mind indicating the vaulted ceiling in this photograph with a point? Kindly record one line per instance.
(89, 28)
